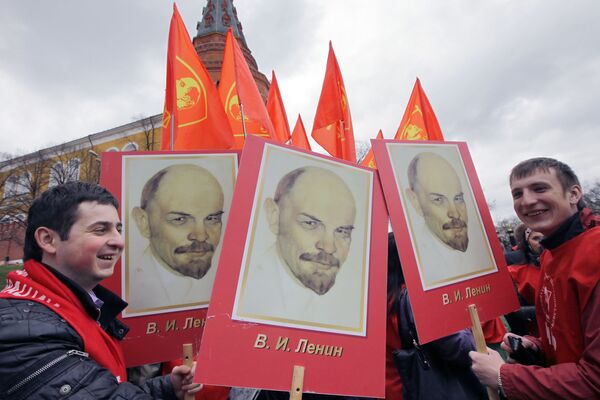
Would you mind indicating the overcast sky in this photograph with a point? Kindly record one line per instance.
(512, 78)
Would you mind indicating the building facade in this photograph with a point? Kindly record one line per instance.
(23, 178)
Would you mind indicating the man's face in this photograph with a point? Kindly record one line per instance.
(534, 241)
(541, 202)
(314, 228)
(184, 220)
(441, 202)
(93, 246)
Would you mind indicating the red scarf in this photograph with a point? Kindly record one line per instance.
(36, 283)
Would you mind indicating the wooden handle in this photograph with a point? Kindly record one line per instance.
(480, 342)
(297, 383)
(477, 331)
(188, 359)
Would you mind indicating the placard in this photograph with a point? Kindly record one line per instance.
(301, 280)
(451, 256)
(174, 207)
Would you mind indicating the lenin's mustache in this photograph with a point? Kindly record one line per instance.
(321, 258)
(455, 223)
(195, 247)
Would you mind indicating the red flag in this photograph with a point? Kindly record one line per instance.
(192, 106)
(332, 128)
(369, 160)
(277, 113)
(238, 89)
(419, 121)
(299, 138)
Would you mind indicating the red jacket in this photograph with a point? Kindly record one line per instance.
(527, 279)
(36, 283)
(393, 382)
(568, 310)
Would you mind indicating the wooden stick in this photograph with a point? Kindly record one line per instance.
(297, 383)
(480, 342)
(188, 359)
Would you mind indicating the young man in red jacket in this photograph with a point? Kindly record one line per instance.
(547, 197)
(59, 335)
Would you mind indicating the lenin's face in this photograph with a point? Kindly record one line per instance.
(183, 220)
(313, 224)
(438, 197)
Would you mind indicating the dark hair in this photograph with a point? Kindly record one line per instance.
(520, 236)
(56, 209)
(565, 174)
(412, 171)
(286, 183)
(151, 187)
(529, 256)
(395, 276)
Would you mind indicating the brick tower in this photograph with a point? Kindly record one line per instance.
(217, 17)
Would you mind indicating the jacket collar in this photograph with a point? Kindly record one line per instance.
(107, 314)
(567, 231)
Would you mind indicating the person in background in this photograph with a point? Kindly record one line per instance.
(525, 273)
(451, 351)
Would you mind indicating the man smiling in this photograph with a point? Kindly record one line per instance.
(59, 335)
(547, 197)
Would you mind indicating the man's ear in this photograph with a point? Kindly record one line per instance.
(574, 194)
(272, 212)
(47, 239)
(412, 197)
(141, 220)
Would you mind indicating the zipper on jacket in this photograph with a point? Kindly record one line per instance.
(44, 368)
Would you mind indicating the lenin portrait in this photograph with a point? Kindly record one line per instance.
(306, 258)
(445, 226)
(175, 210)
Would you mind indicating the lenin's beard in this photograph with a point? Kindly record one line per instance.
(198, 258)
(319, 278)
(459, 237)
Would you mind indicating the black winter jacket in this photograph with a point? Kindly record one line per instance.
(42, 357)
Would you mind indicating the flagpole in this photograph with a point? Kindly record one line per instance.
(243, 119)
(339, 139)
(172, 132)
(174, 105)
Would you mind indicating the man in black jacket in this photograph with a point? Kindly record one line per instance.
(58, 328)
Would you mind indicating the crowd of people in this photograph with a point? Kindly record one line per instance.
(59, 332)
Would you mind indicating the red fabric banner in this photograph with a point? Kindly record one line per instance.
(332, 127)
(239, 95)
(192, 111)
(277, 113)
(419, 121)
(369, 160)
(299, 138)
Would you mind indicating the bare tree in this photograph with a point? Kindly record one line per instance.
(592, 197)
(362, 148)
(35, 172)
(148, 125)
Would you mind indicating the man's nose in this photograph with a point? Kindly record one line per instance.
(198, 232)
(327, 243)
(117, 241)
(453, 211)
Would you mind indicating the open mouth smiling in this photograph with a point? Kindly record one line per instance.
(535, 213)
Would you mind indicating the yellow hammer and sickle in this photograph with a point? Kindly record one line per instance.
(417, 110)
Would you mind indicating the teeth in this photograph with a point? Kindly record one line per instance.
(535, 213)
(106, 257)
